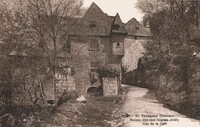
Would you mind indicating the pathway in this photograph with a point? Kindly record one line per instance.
(139, 111)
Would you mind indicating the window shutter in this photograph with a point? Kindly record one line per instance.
(94, 44)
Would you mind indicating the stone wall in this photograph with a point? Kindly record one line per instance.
(65, 83)
(82, 61)
(134, 50)
(118, 44)
(111, 86)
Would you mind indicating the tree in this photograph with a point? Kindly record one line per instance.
(51, 23)
(175, 43)
(172, 22)
(38, 31)
(151, 6)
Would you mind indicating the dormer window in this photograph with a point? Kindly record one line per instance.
(135, 37)
(93, 24)
(116, 27)
(137, 27)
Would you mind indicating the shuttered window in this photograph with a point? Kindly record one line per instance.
(94, 44)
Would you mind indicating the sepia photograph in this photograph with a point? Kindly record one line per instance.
(99, 63)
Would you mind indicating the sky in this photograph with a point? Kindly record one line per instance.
(125, 8)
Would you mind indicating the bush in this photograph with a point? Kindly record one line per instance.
(66, 96)
(26, 116)
(108, 71)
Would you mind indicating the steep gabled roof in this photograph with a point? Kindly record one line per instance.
(104, 25)
(93, 10)
(134, 28)
(101, 23)
(118, 21)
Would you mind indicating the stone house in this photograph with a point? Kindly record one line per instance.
(95, 39)
(103, 39)
(99, 40)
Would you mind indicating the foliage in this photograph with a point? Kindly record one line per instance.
(33, 35)
(151, 6)
(171, 26)
(27, 116)
(108, 71)
(175, 28)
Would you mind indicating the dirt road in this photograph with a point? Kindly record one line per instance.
(139, 111)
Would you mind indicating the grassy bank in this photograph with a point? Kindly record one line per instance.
(95, 112)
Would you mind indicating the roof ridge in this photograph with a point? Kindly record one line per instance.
(132, 19)
(135, 28)
(94, 5)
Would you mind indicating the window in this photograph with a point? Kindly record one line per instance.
(135, 37)
(94, 44)
(116, 27)
(118, 44)
(93, 77)
(67, 46)
(93, 74)
(137, 27)
(93, 24)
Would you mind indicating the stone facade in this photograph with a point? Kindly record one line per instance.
(111, 86)
(95, 39)
(96, 30)
(109, 34)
